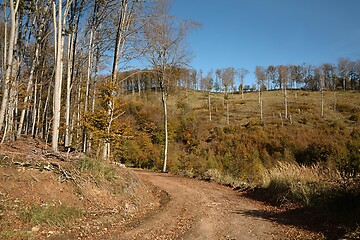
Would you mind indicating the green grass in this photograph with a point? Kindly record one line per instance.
(98, 169)
(6, 234)
(60, 215)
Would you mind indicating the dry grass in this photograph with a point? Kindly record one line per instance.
(301, 174)
(312, 186)
(303, 106)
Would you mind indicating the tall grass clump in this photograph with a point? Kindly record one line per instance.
(304, 185)
(317, 187)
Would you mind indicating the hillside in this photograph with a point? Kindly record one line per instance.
(44, 195)
(307, 161)
(273, 139)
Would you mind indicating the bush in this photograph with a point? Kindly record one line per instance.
(346, 108)
(314, 153)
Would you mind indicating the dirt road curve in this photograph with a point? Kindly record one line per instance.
(200, 210)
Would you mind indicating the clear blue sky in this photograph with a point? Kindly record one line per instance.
(247, 33)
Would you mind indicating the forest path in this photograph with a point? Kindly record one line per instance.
(200, 210)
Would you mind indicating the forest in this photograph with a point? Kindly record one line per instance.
(113, 79)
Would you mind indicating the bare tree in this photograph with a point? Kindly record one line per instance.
(260, 73)
(343, 68)
(241, 73)
(207, 84)
(227, 78)
(272, 73)
(165, 35)
(283, 79)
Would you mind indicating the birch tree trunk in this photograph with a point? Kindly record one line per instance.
(285, 102)
(59, 47)
(261, 106)
(9, 63)
(164, 102)
(227, 111)
(209, 104)
(322, 102)
(70, 56)
(58, 76)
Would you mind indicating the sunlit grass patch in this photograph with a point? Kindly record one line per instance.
(99, 169)
(306, 185)
(57, 215)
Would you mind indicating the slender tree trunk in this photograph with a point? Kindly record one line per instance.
(227, 112)
(35, 110)
(44, 115)
(139, 84)
(9, 63)
(13, 99)
(68, 87)
(58, 77)
(242, 91)
(335, 100)
(322, 103)
(164, 102)
(88, 79)
(261, 107)
(285, 103)
(209, 104)
(38, 117)
(4, 66)
(28, 90)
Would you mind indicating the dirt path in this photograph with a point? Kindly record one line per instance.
(200, 210)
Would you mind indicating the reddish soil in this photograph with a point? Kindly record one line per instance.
(205, 210)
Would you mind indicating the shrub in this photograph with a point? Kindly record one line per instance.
(355, 117)
(346, 108)
(314, 153)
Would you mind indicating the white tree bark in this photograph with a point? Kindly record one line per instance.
(70, 56)
(164, 101)
(59, 47)
(9, 62)
(209, 104)
(58, 76)
(285, 102)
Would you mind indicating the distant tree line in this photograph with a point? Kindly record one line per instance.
(345, 75)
